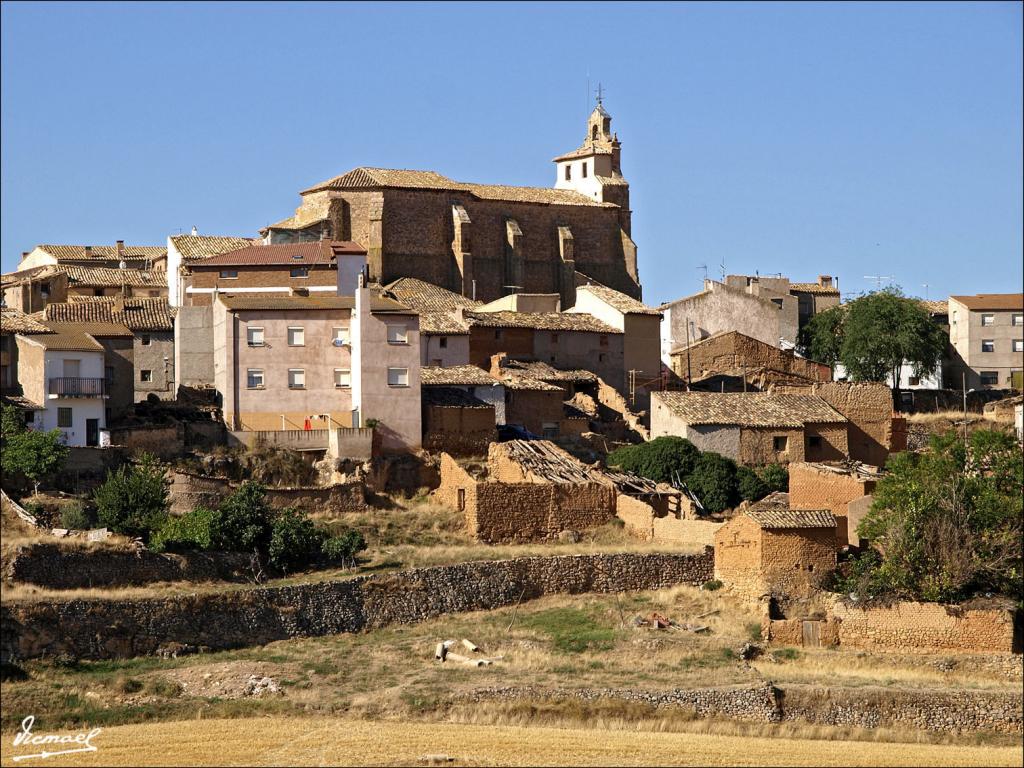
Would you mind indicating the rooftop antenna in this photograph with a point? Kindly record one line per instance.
(925, 286)
(722, 265)
(600, 94)
(705, 268)
(878, 280)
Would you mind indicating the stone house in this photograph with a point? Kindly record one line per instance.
(731, 353)
(470, 379)
(456, 422)
(63, 379)
(12, 322)
(844, 489)
(768, 548)
(641, 332)
(716, 309)
(151, 322)
(32, 289)
(482, 241)
(815, 298)
(752, 428)
(986, 337)
(134, 257)
(537, 406)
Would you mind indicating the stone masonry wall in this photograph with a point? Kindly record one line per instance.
(104, 629)
(189, 491)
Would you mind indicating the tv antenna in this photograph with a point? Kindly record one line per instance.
(925, 286)
(705, 268)
(879, 279)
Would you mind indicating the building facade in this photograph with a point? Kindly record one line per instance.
(986, 337)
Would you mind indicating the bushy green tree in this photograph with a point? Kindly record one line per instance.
(244, 520)
(76, 517)
(749, 485)
(192, 531)
(775, 476)
(295, 541)
(343, 548)
(133, 500)
(713, 480)
(822, 338)
(32, 453)
(661, 459)
(947, 522)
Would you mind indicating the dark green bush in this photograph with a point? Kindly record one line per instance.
(192, 531)
(776, 477)
(713, 480)
(295, 542)
(660, 459)
(133, 500)
(342, 549)
(244, 520)
(750, 486)
(712, 584)
(76, 517)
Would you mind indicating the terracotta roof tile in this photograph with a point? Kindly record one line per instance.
(98, 328)
(104, 252)
(21, 403)
(142, 314)
(543, 321)
(68, 338)
(114, 278)
(455, 375)
(996, 301)
(536, 369)
(771, 517)
(15, 321)
(452, 397)
(627, 305)
(420, 294)
(375, 178)
(814, 288)
(314, 252)
(271, 302)
(749, 409)
(196, 247)
(934, 307)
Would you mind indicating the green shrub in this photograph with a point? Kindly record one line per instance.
(244, 520)
(713, 480)
(661, 459)
(712, 584)
(750, 486)
(128, 685)
(343, 548)
(192, 531)
(776, 477)
(754, 630)
(294, 541)
(788, 654)
(76, 517)
(133, 500)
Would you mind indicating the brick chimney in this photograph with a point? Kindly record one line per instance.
(825, 281)
(88, 251)
(120, 249)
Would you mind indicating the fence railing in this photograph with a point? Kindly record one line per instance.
(74, 386)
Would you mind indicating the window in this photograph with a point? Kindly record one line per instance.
(549, 429)
(814, 441)
(145, 375)
(554, 338)
(30, 416)
(583, 167)
(988, 345)
(398, 377)
(254, 378)
(229, 274)
(299, 271)
(913, 381)
(602, 357)
(64, 418)
(296, 378)
(989, 378)
(777, 303)
(497, 333)
(342, 378)
(593, 133)
(443, 342)
(1018, 319)
(108, 374)
(398, 334)
(988, 319)
(254, 335)
(146, 340)
(568, 172)
(296, 336)
(44, 288)
(603, 340)
(339, 336)
(1018, 345)
(97, 291)
(780, 443)
(437, 362)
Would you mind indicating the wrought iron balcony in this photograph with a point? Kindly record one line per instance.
(75, 386)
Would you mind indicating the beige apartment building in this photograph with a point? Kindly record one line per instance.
(986, 338)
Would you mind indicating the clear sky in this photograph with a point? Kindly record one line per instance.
(874, 139)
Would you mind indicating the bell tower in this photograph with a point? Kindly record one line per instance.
(595, 167)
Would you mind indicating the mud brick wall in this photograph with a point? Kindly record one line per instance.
(637, 516)
(105, 629)
(926, 627)
(813, 488)
(461, 431)
(868, 407)
(791, 631)
(163, 441)
(505, 512)
(189, 491)
(731, 352)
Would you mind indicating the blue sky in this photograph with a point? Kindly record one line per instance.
(874, 139)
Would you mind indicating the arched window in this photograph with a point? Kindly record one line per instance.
(593, 133)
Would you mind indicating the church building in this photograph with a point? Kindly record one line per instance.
(484, 241)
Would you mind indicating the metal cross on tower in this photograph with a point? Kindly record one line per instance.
(600, 94)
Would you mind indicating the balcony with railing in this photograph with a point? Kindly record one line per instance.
(75, 386)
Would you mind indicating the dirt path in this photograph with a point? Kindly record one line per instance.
(328, 741)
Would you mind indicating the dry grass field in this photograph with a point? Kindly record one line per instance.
(334, 741)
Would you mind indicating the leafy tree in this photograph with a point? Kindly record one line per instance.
(822, 338)
(661, 459)
(775, 476)
(343, 548)
(713, 480)
(947, 522)
(34, 454)
(244, 520)
(76, 517)
(133, 499)
(294, 541)
(192, 531)
(750, 486)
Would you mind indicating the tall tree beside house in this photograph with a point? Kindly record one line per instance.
(34, 454)
(875, 335)
(134, 499)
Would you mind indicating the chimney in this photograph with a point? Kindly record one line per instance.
(194, 230)
(825, 281)
(88, 251)
(120, 249)
(118, 306)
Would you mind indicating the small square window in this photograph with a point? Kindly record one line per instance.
(1018, 319)
(64, 418)
(443, 342)
(229, 274)
(988, 345)
(602, 357)
(913, 381)
(146, 340)
(398, 334)
(296, 337)
(339, 336)
(988, 319)
(342, 378)
(299, 271)
(30, 416)
(254, 336)
(1018, 345)
(780, 443)
(254, 378)
(989, 378)
(497, 333)
(145, 375)
(296, 378)
(398, 377)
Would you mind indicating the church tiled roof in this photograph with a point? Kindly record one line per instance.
(375, 178)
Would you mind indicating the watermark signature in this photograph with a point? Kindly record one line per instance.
(75, 742)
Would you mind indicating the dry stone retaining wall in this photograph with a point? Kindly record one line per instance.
(189, 491)
(102, 629)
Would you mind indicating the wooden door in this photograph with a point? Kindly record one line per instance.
(812, 634)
